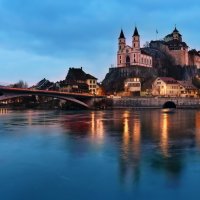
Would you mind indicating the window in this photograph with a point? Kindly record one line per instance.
(127, 60)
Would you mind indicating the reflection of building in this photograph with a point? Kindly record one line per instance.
(3, 111)
(132, 55)
(130, 158)
(165, 86)
(164, 125)
(132, 85)
(197, 128)
(97, 127)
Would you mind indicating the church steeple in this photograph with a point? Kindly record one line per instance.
(121, 35)
(136, 32)
(136, 39)
(121, 40)
(176, 35)
(175, 30)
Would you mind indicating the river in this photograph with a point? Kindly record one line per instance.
(120, 154)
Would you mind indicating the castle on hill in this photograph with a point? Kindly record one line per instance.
(172, 45)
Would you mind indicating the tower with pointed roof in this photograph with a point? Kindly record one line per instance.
(122, 40)
(176, 35)
(136, 39)
(132, 55)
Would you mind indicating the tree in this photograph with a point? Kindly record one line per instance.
(20, 84)
(146, 45)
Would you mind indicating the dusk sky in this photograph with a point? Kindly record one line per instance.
(43, 38)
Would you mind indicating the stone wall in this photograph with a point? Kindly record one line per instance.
(130, 102)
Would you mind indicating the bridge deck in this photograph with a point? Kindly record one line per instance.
(50, 92)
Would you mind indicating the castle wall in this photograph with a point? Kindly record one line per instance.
(180, 56)
(194, 60)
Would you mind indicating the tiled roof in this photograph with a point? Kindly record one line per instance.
(187, 84)
(144, 52)
(194, 52)
(43, 84)
(168, 80)
(176, 43)
(75, 74)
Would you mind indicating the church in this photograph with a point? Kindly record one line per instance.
(132, 55)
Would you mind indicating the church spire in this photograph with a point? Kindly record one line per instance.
(175, 30)
(136, 32)
(121, 35)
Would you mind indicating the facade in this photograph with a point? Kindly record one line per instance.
(165, 86)
(169, 87)
(132, 55)
(173, 45)
(91, 81)
(187, 89)
(78, 81)
(132, 85)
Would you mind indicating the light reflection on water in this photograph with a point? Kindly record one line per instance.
(99, 154)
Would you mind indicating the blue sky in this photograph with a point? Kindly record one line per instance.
(43, 38)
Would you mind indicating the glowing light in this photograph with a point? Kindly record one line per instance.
(197, 128)
(164, 134)
(137, 137)
(3, 111)
(97, 128)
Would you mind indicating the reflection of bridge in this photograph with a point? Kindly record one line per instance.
(83, 99)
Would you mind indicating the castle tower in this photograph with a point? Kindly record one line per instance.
(136, 39)
(121, 41)
(176, 35)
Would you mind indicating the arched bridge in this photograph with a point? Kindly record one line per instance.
(83, 99)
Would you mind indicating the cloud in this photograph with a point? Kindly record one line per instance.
(83, 33)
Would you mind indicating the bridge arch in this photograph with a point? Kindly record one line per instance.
(10, 96)
(169, 104)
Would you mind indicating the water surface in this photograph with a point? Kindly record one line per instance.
(121, 154)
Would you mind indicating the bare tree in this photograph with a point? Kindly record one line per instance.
(20, 84)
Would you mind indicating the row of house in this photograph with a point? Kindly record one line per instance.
(161, 86)
(76, 81)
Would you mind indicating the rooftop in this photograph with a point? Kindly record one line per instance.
(168, 80)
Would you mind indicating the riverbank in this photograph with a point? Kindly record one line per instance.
(154, 102)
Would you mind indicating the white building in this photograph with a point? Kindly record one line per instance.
(166, 86)
(132, 55)
(132, 85)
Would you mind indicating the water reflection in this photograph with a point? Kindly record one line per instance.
(197, 132)
(3, 111)
(132, 146)
(164, 126)
(130, 155)
(97, 127)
